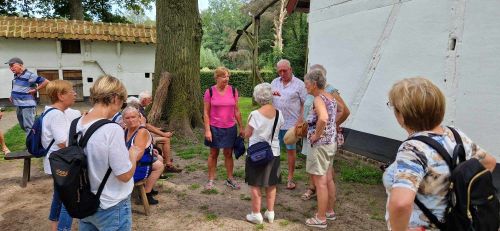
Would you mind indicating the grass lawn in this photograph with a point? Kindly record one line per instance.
(15, 139)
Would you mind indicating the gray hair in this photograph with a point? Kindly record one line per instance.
(263, 94)
(145, 95)
(318, 67)
(129, 109)
(316, 77)
(133, 101)
(285, 62)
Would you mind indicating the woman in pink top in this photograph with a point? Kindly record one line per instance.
(220, 115)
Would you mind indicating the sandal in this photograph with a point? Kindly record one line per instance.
(290, 185)
(210, 185)
(310, 193)
(316, 222)
(5, 150)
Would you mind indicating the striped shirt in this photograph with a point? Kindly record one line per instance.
(21, 85)
(290, 99)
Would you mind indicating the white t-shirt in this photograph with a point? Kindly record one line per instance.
(55, 126)
(106, 148)
(262, 128)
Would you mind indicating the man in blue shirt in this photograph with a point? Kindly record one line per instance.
(24, 86)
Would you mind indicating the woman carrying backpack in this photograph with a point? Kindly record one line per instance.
(55, 128)
(106, 149)
(419, 170)
(221, 115)
(150, 166)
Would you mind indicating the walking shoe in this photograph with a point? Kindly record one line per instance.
(269, 215)
(255, 218)
(151, 199)
(154, 192)
(232, 184)
(172, 168)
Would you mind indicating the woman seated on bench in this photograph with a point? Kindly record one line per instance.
(149, 166)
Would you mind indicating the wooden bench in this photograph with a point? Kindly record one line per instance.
(27, 164)
(142, 194)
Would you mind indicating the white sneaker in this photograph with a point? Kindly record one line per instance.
(255, 218)
(269, 215)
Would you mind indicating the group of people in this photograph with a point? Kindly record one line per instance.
(127, 145)
(287, 101)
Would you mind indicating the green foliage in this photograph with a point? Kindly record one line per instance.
(220, 22)
(210, 191)
(211, 217)
(194, 186)
(358, 172)
(208, 59)
(240, 79)
(295, 32)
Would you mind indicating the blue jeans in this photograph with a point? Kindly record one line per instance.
(118, 217)
(59, 213)
(26, 117)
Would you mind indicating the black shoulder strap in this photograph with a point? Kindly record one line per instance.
(91, 130)
(459, 151)
(234, 91)
(210, 91)
(274, 125)
(432, 218)
(84, 141)
(101, 186)
(53, 140)
(73, 135)
(446, 156)
(436, 146)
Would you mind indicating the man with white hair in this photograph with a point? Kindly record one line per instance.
(162, 138)
(289, 94)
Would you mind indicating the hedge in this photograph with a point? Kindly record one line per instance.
(242, 80)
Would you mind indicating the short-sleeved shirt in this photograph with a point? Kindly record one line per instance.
(430, 183)
(310, 99)
(262, 129)
(106, 148)
(291, 98)
(55, 126)
(222, 107)
(21, 85)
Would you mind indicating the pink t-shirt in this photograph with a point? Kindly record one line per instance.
(222, 107)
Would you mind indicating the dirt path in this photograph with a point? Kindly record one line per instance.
(183, 206)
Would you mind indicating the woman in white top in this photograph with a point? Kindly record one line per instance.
(259, 128)
(106, 149)
(55, 127)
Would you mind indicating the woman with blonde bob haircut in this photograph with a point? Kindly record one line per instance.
(106, 149)
(419, 107)
(55, 131)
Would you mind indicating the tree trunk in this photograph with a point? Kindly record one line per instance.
(279, 19)
(161, 94)
(179, 33)
(75, 9)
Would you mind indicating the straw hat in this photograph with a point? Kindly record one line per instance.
(290, 137)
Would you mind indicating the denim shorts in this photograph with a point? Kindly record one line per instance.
(118, 217)
(281, 135)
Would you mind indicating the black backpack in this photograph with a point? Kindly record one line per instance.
(472, 200)
(70, 173)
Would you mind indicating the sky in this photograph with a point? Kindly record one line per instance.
(202, 5)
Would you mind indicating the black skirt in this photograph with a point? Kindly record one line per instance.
(263, 176)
